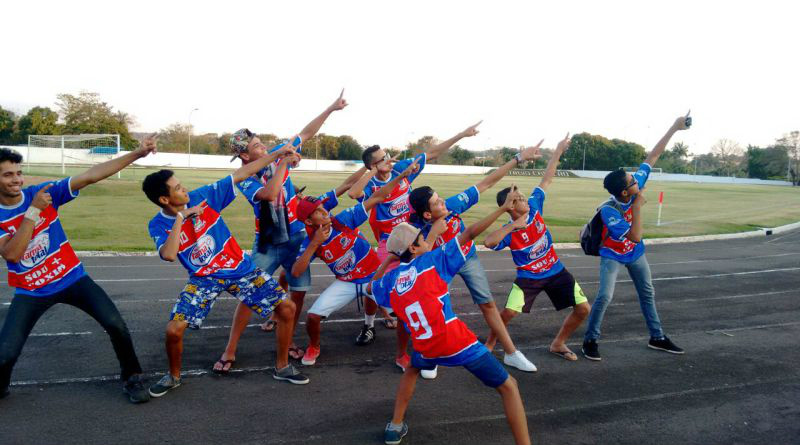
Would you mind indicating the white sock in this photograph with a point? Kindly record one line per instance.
(369, 320)
(395, 426)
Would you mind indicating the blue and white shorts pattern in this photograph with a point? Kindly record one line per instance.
(256, 289)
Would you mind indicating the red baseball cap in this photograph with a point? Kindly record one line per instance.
(306, 207)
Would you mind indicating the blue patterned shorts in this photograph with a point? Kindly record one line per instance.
(256, 289)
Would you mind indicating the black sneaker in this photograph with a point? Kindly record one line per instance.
(366, 336)
(166, 383)
(590, 350)
(664, 344)
(290, 374)
(135, 390)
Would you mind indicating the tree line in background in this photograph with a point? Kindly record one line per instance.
(86, 113)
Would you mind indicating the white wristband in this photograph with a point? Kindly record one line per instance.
(33, 214)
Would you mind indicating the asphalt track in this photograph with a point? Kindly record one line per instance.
(733, 305)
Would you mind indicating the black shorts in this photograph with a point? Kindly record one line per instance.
(562, 289)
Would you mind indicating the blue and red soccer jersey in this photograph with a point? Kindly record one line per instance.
(532, 247)
(418, 293)
(287, 198)
(456, 205)
(49, 264)
(395, 208)
(616, 225)
(207, 248)
(347, 253)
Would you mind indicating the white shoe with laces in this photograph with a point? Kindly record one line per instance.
(519, 361)
(429, 374)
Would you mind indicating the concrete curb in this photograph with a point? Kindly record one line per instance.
(651, 241)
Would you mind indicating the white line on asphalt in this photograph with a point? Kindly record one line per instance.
(487, 270)
(204, 371)
(59, 334)
(465, 314)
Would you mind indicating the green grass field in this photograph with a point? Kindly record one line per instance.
(113, 214)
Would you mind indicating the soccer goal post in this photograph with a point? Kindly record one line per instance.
(71, 149)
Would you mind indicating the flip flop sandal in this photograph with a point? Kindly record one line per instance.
(269, 326)
(296, 353)
(390, 323)
(223, 369)
(566, 355)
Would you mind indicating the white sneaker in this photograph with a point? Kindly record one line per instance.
(519, 361)
(430, 374)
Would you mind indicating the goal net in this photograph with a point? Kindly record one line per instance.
(71, 149)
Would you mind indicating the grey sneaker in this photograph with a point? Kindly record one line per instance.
(166, 383)
(134, 388)
(393, 437)
(290, 374)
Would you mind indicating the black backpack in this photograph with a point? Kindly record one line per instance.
(592, 232)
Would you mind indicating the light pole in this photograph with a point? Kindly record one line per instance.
(584, 158)
(189, 161)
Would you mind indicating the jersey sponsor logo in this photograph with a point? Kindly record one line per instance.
(612, 221)
(539, 248)
(539, 226)
(345, 264)
(403, 184)
(399, 206)
(344, 241)
(36, 251)
(202, 251)
(406, 280)
(463, 197)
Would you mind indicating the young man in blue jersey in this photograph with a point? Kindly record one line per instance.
(278, 232)
(338, 242)
(429, 207)
(189, 228)
(538, 266)
(622, 246)
(44, 270)
(417, 291)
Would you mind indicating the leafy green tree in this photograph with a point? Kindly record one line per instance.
(38, 120)
(601, 153)
(7, 120)
(767, 163)
(349, 148)
(675, 160)
(174, 138)
(326, 147)
(86, 113)
(460, 156)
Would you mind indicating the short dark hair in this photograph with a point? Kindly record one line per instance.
(616, 181)
(155, 185)
(366, 156)
(502, 195)
(10, 155)
(419, 198)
